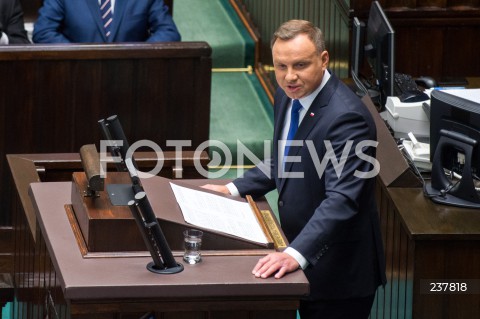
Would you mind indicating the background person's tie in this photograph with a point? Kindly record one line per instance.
(294, 119)
(107, 16)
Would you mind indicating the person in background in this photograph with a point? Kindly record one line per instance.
(325, 179)
(102, 21)
(12, 27)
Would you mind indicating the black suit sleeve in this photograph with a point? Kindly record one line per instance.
(11, 22)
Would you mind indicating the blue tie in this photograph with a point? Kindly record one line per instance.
(107, 16)
(294, 119)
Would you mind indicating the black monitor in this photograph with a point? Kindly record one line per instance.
(357, 56)
(358, 33)
(380, 51)
(454, 150)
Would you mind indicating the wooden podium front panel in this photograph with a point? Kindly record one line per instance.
(106, 287)
(104, 227)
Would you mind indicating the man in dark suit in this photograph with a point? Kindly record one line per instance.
(65, 21)
(326, 184)
(12, 28)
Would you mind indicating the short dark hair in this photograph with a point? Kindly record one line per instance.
(292, 28)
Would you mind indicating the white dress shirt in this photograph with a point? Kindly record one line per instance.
(3, 39)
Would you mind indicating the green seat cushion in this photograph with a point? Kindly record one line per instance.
(240, 112)
(215, 22)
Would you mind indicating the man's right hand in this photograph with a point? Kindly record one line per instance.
(217, 188)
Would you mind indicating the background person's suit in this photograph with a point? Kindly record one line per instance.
(11, 22)
(332, 222)
(64, 21)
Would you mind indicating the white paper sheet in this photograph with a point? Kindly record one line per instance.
(218, 213)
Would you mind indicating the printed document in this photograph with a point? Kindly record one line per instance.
(219, 213)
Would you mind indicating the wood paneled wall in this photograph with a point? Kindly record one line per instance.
(438, 38)
(331, 16)
(51, 97)
(396, 298)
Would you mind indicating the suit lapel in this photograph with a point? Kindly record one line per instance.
(94, 7)
(118, 14)
(282, 111)
(315, 111)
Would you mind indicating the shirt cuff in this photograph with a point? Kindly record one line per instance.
(297, 256)
(3, 39)
(233, 189)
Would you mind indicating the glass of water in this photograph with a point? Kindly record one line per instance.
(193, 243)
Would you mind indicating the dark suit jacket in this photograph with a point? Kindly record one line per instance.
(64, 21)
(331, 220)
(11, 21)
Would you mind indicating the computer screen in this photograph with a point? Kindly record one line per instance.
(358, 33)
(357, 57)
(454, 150)
(380, 50)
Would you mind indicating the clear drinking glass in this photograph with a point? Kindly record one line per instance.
(193, 244)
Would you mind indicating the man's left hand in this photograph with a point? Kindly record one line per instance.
(275, 263)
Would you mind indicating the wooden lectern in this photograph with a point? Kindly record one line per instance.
(100, 221)
(72, 281)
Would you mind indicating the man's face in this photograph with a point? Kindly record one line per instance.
(299, 68)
